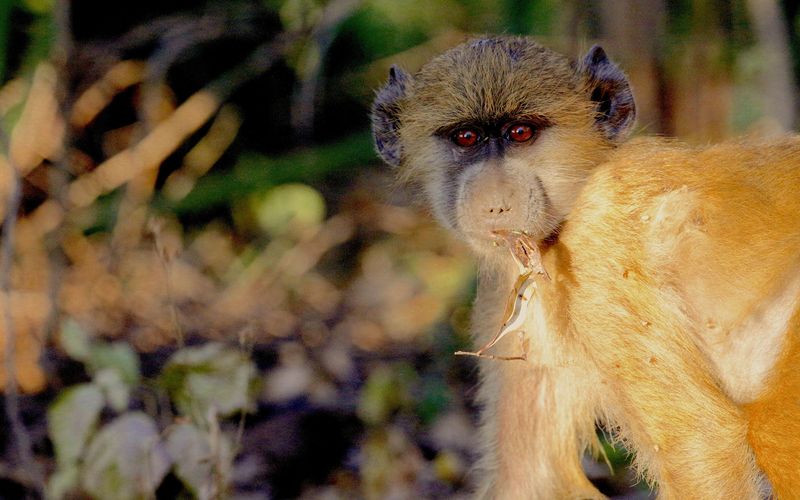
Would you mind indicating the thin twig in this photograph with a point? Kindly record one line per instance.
(246, 347)
(478, 354)
(161, 252)
(63, 49)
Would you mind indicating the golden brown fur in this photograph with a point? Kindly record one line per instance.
(672, 315)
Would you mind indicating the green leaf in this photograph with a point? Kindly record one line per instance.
(197, 464)
(42, 32)
(62, 483)
(387, 389)
(208, 380)
(297, 14)
(288, 207)
(75, 340)
(117, 356)
(126, 460)
(117, 392)
(39, 6)
(435, 399)
(71, 419)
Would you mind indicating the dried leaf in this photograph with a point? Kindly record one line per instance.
(528, 258)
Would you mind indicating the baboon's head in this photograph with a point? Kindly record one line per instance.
(501, 132)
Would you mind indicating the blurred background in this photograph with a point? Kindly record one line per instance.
(209, 285)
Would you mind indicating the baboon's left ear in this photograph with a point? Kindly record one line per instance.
(610, 90)
(385, 119)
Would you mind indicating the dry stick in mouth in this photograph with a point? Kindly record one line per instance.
(529, 261)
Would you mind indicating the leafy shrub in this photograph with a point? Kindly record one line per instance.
(128, 454)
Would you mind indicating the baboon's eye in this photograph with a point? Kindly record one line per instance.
(519, 132)
(466, 137)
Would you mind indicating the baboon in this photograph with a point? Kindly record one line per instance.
(665, 308)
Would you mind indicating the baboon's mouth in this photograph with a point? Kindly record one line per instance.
(523, 247)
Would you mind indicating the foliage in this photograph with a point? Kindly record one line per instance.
(199, 172)
(129, 456)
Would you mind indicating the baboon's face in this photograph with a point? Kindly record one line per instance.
(501, 133)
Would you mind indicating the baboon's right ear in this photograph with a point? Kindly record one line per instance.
(611, 92)
(385, 116)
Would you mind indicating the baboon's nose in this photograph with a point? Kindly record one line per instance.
(500, 213)
(492, 201)
(498, 210)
